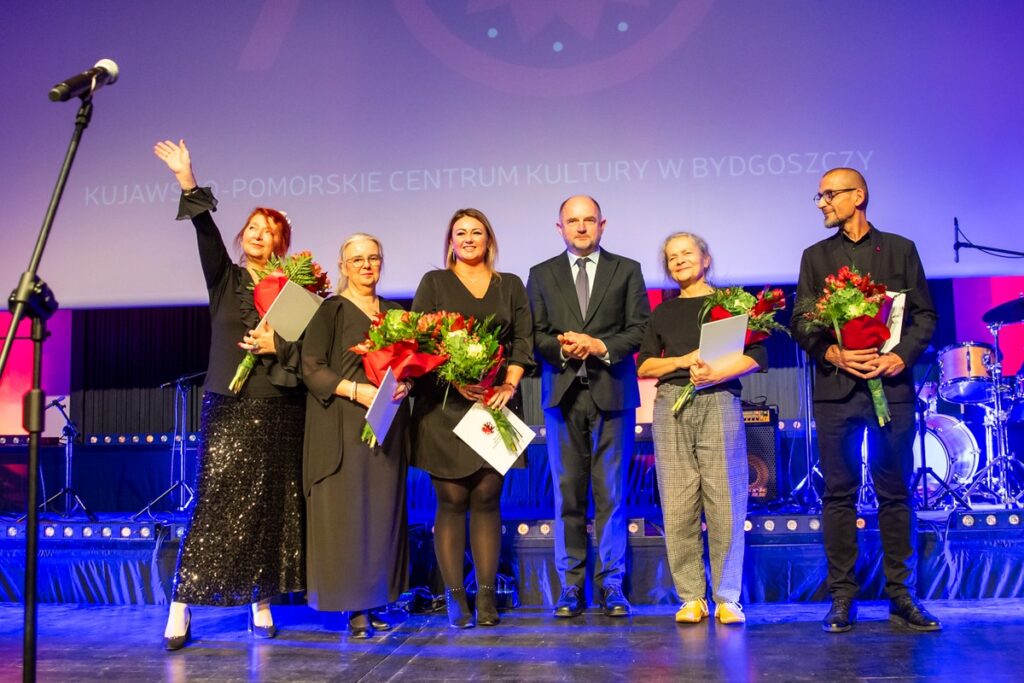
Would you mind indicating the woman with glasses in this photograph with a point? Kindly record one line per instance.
(357, 555)
(464, 482)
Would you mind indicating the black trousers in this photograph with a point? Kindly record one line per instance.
(585, 449)
(841, 426)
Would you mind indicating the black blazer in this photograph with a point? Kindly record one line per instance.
(617, 314)
(895, 264)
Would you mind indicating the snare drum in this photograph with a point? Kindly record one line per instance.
(963, 373)
(949, 449)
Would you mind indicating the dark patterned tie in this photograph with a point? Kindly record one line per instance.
(582, 285)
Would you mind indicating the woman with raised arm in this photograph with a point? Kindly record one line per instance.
(243, 545)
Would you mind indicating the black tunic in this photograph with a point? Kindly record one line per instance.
(245, 538)
(435, 447)
(357, 553)
(675, 331)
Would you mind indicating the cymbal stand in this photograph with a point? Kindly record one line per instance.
(804, 493)
(72, 500)
(997, 479)
(186, 494)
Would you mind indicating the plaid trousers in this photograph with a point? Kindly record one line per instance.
(701, 458)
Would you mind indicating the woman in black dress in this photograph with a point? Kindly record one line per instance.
(465, 482)
(244, 540)
(701, 452)
(357, 555)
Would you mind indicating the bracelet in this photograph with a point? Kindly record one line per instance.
(352, 390)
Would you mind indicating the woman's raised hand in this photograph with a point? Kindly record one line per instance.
(178, 159)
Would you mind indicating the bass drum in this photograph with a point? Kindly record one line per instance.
(949, 449)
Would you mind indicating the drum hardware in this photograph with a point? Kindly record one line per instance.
(964, 375)
(926, 475)
(805, 493)
(998, 478)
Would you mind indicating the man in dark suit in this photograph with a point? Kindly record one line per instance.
(843, 407)
(590, 309)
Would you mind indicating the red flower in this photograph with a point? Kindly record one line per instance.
(488, 428)
(865, 332)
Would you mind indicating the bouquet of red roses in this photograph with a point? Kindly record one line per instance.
(855, 310)
(727, 302)
(408, 343)
(299, 268)
(474, 356)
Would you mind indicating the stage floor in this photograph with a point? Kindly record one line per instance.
(779, 643)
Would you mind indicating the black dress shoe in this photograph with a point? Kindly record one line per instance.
(487, 606)
(360, 626)
(908, 611)
(177, 642)
(459, 615)
(570, 603)
(614, 603)
(264, 632)
(841, 616)
(379, 623)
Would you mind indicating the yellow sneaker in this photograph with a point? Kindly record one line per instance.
(730, 613)
(692, 611)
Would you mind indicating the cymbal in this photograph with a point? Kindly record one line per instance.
(1006, 313)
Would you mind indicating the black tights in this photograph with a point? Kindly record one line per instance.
(480, 495)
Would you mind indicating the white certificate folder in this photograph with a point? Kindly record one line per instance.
(722, 341)
(478, 430)
(292, 310)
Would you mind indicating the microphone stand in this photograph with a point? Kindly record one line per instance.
(958, 245)
(33, 299)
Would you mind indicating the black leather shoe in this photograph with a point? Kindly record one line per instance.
(177, 642)
(265, 632)
(841, 616)
(459, 615)
(379, 623)
(614, 603)
(570, 603)
(360, 627)
(487, 606)
(908, 611)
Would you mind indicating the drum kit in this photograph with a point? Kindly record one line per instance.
(952, 471)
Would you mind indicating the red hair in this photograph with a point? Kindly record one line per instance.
(280, 224)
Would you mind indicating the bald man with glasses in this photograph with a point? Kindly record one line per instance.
(843, 409)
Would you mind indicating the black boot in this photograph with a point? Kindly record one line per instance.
(459, 615)
(487, 605)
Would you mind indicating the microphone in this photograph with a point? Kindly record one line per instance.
(86, 83)
(956, 240)
(56, 403)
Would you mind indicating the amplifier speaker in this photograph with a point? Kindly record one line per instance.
(768, 477)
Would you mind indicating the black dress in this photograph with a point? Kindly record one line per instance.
(357, 550)
(244, 538)
(435, 447)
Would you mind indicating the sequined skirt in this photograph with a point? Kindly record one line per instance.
(245, 537)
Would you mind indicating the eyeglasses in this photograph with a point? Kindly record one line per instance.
(360, 261)
(828, 195)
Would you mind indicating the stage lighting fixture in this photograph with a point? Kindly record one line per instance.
(94, 439)
(69, 532)
(145, 532)
(632, 528)
(991, 520)
(49, 532)
(121, 439)
(107, 439)
(87, 531)
(545, 529)
(126, 532)
(968, 521)
(747, 525)
(791, 524)
(797, 424)
(523, 529)
(1014, 519)
(814, 524)
(769, 525)
(192, 438)
(163, 438)
(180, 531)
(106, 532)
(12, 531)
(862, 523)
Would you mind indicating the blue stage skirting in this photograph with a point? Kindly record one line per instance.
(952, 563)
